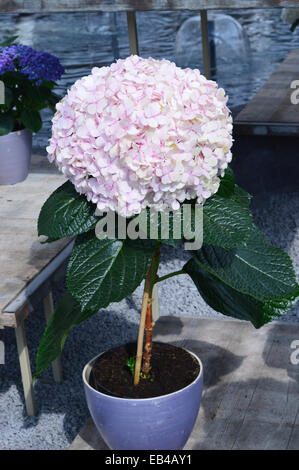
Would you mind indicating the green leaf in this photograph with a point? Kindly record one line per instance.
(257, 268)
(226, 223)
(33, 96)
(66, 213)
(9, 96)
(104, 271)
(31, 119)
(227, 184)
(228, 301)
(8, 41)
(6, 123)
(241, 196)
(228, 189)
(14, 78)
(156, 220)
(50, 84)
(171, 242)
(53, 99)
(66, 314)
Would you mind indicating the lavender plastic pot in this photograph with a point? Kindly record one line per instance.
(157, 423)
(15, 154)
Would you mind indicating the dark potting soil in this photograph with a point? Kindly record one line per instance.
(172, 368)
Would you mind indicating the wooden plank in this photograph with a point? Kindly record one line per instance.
(49, 311)
(25, 369)
(24, 261)
(250, 399)
(37, 6)
(272, 104)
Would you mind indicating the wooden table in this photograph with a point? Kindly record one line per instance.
(251, 388)
(26, 265)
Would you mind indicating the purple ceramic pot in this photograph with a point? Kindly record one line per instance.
(15, 154)
(157, 423)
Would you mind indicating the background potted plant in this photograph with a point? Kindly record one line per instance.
(145, 135)
(28, 78)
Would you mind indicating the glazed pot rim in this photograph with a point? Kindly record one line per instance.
(14, 133)
(199, 376)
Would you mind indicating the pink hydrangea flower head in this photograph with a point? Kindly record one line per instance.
(142, 133)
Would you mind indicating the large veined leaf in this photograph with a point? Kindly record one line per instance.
(241, 196)
(114, 269)
(229, 189)
(226, 217)
(66, 213)
(224, 299)
(104, 271)
(226, 223)
(257, 268)
(65, 316)
(227, 183)
(155, 220)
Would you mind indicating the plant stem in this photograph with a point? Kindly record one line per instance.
(146, 314)
(175, 273)
(147, 352)
(141, 328)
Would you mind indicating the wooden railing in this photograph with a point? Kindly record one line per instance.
(35, 6)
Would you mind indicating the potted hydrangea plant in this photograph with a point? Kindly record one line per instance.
(27, 78)
(146, 137)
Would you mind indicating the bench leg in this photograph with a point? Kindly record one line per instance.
(49, 310)
(25, 369)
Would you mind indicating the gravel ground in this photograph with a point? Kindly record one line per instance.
(62, 408)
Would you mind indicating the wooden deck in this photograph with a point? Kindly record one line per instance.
(31, 6)
(251, 388)
(271, 110)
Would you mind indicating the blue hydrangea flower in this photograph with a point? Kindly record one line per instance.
(6, 64)
(37, 66)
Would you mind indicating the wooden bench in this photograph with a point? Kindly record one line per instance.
(26, 265)
(271, 111)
